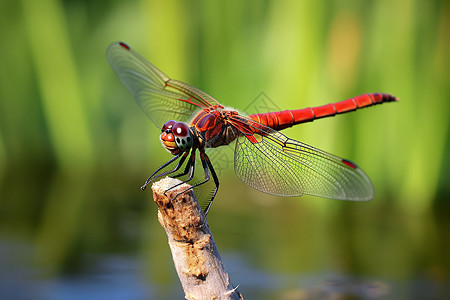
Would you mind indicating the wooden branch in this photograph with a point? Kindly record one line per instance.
(194, 251)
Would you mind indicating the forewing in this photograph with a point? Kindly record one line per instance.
(160, 97)
(270, 162)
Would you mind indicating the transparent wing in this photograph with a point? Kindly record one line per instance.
(272, 163)
(160, 97)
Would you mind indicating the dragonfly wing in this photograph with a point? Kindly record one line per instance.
(270, 162)
(160, 97)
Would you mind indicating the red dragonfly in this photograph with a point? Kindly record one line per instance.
(265, 159)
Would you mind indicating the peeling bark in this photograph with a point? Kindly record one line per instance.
(194, 251)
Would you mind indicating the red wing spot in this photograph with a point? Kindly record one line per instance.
(349, 163)
(124, 45)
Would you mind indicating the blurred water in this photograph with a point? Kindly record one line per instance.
(106, 276)
(113, 248)
(117, 277)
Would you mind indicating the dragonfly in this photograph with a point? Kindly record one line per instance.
(265, 159)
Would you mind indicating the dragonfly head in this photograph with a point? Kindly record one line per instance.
(176, 137)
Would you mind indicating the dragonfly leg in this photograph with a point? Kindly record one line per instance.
(187, 169)
(190, 168)
(207, 167)
(180, 163)
(215, 178)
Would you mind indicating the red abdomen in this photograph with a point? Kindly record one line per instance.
(287, 118)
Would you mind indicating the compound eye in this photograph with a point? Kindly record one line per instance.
(168, 125)
(180, 129)
(183, 136)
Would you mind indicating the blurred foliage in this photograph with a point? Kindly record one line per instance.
(63, 108)
(73, 143)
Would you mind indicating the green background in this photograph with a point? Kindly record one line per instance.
(74, 147)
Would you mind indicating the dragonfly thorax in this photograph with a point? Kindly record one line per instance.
(212, 126)
(176, 137)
